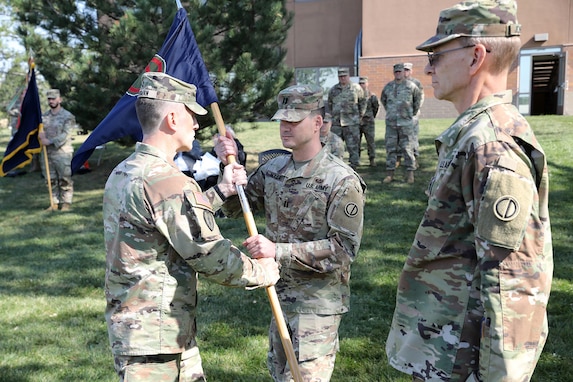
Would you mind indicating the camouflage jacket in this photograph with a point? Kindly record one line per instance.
(160, 232)
(372, 106)
(347, 104)
(59, 129)
(401, 101)
(421, 87)
(473, 293)
(334, 143)
(315, 216)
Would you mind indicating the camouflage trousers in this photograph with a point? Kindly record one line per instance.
(367, 130)
(60, 176)
(182, 367)
(399, 139)
(350, 134)
(415, 141)
(315, 342)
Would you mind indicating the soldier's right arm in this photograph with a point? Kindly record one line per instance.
(195, 236)
(384, 97)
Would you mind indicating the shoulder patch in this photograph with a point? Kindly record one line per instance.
(351, 209)
(505, 208)
(209, 219)
(201, 200)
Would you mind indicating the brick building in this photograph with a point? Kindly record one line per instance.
(369, 36)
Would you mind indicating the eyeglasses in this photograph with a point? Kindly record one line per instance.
(433, 57)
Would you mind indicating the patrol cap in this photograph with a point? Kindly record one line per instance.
(342, 72)
(484, 18)
(297, 102)
(363, 80)
(157, 85)
(398, 67)
(327, 117)
(53, 93)
(408, 65)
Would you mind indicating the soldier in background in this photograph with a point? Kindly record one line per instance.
(332, 141)
(160, 234)
(59, 125)
(314, 206)
(401, 99)
(347, 104)
(367, 123)
(408, 66)
(472, 297)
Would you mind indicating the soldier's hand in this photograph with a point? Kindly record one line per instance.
(271, 269)
(233, 174)
(260, 247)
(42, 137)
(225, 146)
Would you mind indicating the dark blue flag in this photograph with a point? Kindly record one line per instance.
(179, 57)
(25, 142)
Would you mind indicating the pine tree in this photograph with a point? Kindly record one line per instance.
(94, 50)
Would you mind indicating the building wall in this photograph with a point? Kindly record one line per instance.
(389, 37)
(324, 33)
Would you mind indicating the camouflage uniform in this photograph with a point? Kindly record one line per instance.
(160, 233)
(347, 105)
(367, 123)
(334, 143)
(58, 129)
(448, 321)
(417, 117)
(314, 215)
(472, 297)
(416, 82)
(402, 102)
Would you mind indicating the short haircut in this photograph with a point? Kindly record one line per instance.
(319, 111)
(150, 112)
(504, 51)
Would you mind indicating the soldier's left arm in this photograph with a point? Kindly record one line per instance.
(416, 99)
(375, 104)
(362, 100)
(344, 217)
(514, 267)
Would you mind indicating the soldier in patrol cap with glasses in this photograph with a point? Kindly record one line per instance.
(472, 296)
(314, 208)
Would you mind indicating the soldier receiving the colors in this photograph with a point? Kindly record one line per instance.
(472, 297)
(160, 234)
(313, 204)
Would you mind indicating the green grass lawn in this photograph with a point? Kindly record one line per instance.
(52, 267)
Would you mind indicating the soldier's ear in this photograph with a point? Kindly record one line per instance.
(171, 120)
(318, 122)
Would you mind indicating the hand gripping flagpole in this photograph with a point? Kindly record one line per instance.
(53, 207)
(271, 291)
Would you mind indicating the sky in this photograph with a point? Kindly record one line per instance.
(9, 43)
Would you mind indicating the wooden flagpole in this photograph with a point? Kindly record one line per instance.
(271, 291)
(53, 207)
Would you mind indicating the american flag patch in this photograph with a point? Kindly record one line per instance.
(200, 199)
